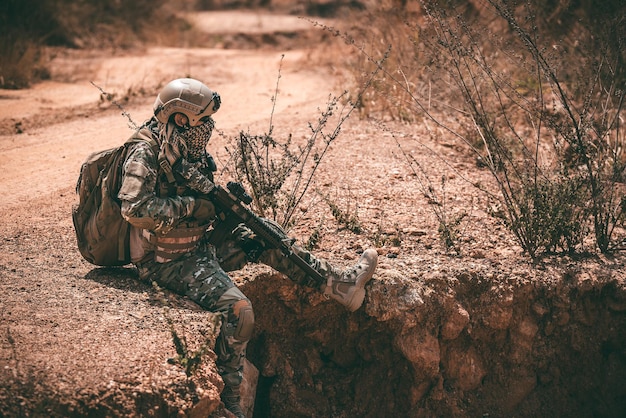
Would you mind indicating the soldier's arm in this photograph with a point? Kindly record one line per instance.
(141, 207)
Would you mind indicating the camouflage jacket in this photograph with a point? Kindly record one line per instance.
(149, 202)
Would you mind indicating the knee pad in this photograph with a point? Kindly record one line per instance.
(238, 313)
(245, 326)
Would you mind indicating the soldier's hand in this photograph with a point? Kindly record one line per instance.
(203, 209)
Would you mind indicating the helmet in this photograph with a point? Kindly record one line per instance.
(187, 96)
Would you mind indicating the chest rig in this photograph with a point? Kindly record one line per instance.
(185, 237)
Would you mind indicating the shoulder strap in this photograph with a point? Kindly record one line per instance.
(145, 134)
(166, 167)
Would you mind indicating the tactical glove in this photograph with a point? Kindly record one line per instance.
(203, 210)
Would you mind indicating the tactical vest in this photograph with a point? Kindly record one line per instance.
(185, 237)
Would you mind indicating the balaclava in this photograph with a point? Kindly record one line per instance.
(174, 148)
(192, 141)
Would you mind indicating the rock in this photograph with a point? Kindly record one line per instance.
(521, 385)
(392, 295)
(522, 338)
(499, 316)
(204, 407)
(465, 368)
(456, 320)
(421, 349)
(540, 309)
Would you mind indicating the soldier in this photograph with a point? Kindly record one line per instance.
(177, 242)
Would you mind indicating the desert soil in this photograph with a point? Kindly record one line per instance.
(479, 331)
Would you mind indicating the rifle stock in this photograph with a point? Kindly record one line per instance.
(232, 202)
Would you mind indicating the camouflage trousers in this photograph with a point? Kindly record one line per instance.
(201, 276)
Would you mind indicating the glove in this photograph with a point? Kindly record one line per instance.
(203, 209)
(251, 245)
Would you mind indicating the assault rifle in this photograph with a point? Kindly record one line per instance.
(230, 205)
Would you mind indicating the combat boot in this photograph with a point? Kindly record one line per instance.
(232, 400)
(348, 288)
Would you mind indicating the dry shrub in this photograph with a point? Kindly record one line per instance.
(390, 35)
(548, 113)
(28, 26)
(18, 61)
(540, 96)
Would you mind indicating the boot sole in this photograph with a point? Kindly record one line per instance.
(362, 281)
(358, 295)
(357, 300)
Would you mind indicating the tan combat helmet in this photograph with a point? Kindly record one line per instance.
(189, 97)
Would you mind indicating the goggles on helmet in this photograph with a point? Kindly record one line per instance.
(187, 96)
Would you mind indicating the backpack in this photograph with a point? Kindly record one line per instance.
(103, 236)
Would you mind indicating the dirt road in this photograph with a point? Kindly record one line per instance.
(64, 123)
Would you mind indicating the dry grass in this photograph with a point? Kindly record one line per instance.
(29, 26)
(528, 90)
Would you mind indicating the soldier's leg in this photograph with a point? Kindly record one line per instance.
(200, 277)
(231, 345)
(346, 287)
(229, 245)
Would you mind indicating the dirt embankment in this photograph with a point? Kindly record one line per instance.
(465, 340)
(481, 333)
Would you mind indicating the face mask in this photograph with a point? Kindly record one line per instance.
(195, 140)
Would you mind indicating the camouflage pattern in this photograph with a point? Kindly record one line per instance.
(194, 175)
(201, 274)
(237, 248)
(194, 140)
(140, 204)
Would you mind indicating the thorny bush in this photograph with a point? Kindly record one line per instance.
(540, 108)
(278, 174)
